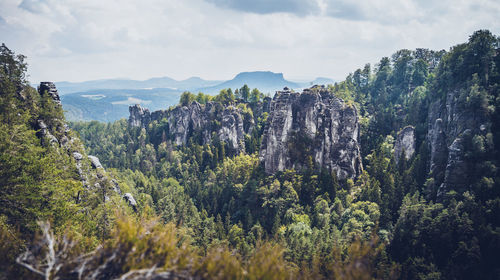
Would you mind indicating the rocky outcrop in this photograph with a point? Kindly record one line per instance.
(130, 200)
(139, 117)
(95, 162)
(50, 89)
(197, 120)
(53, 130)
(405, 142)
(45, 134)
(312, 127)
(83, 176)
(116, 186)
(449, 124)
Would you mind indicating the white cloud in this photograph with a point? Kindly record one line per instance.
(90, 39)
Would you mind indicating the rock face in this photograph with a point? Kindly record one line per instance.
(449, 125)
(50, 89)
(200, 121)
(405, 141)
(139, 117)
(45, 134)
(77, 156)
(312, 127)
(50, 127)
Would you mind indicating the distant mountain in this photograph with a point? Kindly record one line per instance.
(161, 82)
(265, 81)
(318, 81)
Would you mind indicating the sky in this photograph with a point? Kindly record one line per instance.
(78, 40)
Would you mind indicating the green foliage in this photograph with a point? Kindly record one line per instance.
(10, 248)
(187, 98)
(316, 218)
(244, 93)
(205, 211)
(12, 70)
(225, 97)
(441, 237)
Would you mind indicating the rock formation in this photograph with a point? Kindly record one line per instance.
(139, 117)
(50, 89)
(45, 134)
(405, 141)
(449, 124)
(54, 131)
(95, 162)
(116, 186)
(312, 127)
(83, 176)
(199, 119)
(129, 198)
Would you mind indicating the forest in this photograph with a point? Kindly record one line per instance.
(205, 210)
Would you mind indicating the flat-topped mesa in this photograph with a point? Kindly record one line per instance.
(311, 128)
(50, 89)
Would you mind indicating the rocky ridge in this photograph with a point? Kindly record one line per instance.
(314, 123)
(205, 120)
(60, 136)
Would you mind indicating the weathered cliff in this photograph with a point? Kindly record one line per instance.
(450, 124)
(311, 128)
(202, 121)
(50, 89)
(139, 117)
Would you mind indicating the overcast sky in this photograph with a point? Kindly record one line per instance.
(76, 40)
